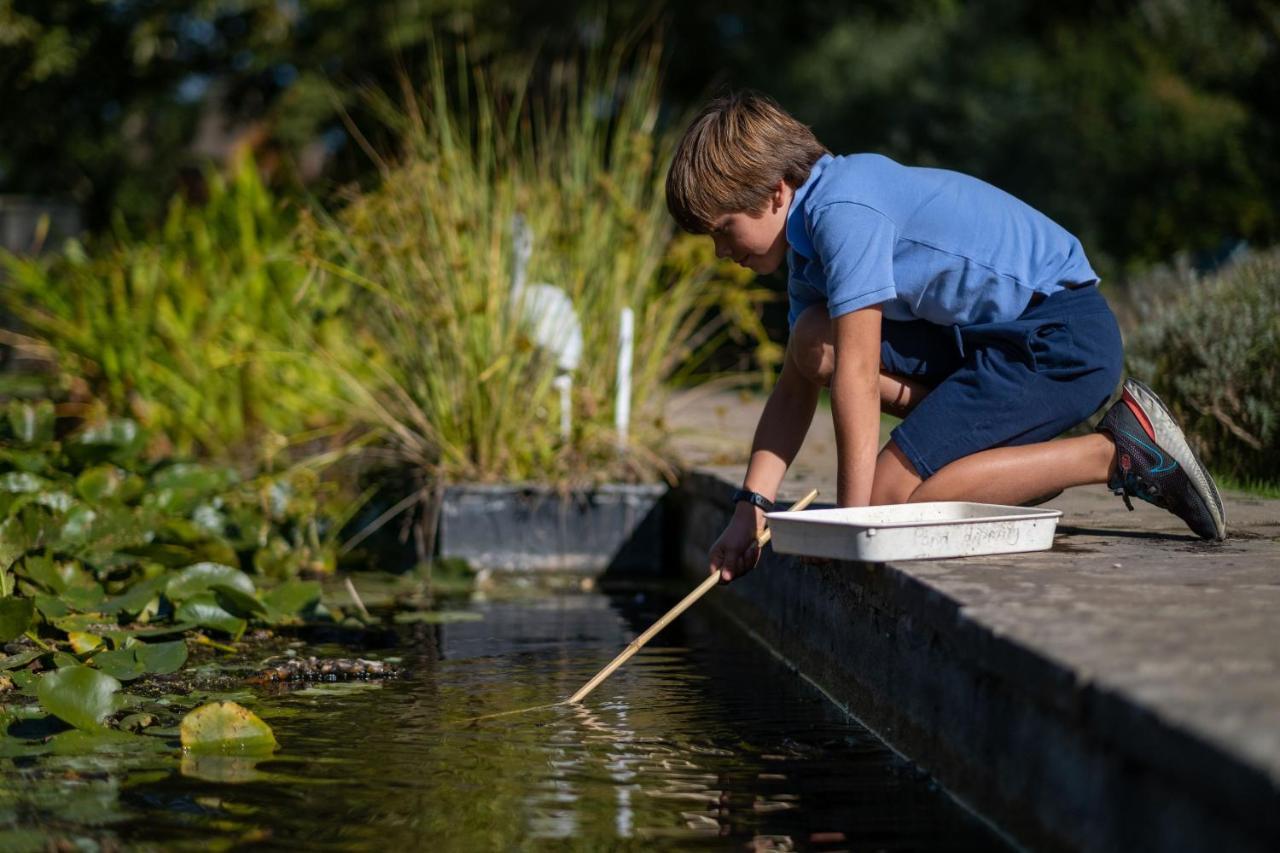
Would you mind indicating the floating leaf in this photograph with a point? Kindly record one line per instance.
(223, 727)
(20, 659)
(51, 607)
(15, 617)
(83, 641)
(292, 597)
(123, 664)
(205, 611)
(238, 602)
(135, 598)
(62, 660)
(79, 695)
(201, 577)
(162, 658)
(80, 742)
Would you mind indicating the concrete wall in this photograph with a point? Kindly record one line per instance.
(1052, 758)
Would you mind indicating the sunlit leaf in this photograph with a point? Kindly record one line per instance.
(205, 611)
(79, 695)
(238, 602)
(203, 576)
(225, 727)
(15, 617)
(83, 641)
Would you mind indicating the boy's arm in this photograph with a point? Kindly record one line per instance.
(855, 402)
(779, 434)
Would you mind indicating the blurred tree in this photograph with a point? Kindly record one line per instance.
(1145, 127)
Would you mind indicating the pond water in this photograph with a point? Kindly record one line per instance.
(702, 741)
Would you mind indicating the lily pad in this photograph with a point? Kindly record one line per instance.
(238, 602)
(162, 658)
(205, 611)
(20, 659)
(292, 597)
(124, 664)
(83, 641)
(200, 577)
(225, 727)
(79, 695)
(15, 617)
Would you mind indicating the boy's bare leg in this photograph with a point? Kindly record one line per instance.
(1003, 475)
(1006, 475)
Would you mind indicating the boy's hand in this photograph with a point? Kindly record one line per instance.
(736, 552)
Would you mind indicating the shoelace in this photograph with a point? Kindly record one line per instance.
(1134, 485)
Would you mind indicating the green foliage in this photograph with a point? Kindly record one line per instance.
(222, 727)
(102, 552)
(79, 695)
(197, 330)
(1211, 349)
(459, 386)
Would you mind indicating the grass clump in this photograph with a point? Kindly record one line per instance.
(461, 387)
(1211, 350)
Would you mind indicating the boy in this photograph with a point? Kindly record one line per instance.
(938, 298)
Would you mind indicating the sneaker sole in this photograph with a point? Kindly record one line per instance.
(1169, 436)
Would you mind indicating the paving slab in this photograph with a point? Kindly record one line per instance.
(1120, 691)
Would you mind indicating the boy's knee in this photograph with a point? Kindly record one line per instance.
(810, 348)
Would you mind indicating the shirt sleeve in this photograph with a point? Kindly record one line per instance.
(855, 245)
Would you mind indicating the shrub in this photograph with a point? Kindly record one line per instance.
(1212, 352)
(197, 330)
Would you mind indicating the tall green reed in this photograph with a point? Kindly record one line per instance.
(462, 390)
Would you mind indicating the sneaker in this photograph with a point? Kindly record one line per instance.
(1155, 463)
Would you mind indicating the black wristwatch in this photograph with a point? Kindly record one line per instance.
(753, 498)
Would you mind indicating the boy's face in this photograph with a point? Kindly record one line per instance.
(756, 240)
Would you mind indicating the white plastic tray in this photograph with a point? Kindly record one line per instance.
(920, 531)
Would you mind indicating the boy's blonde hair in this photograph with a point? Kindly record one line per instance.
(733, 155)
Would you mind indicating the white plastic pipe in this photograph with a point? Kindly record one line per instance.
(564, 383)
(622, 410)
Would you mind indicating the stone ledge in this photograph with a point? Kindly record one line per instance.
(1119, 692)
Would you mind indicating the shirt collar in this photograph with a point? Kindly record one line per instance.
(797, 233)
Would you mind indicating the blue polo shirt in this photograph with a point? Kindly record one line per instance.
(927, 244)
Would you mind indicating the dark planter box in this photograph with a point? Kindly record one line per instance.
(611, 528)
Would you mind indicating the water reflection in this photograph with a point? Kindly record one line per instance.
(702, 742)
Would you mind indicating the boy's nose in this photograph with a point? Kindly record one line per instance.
(722, 248)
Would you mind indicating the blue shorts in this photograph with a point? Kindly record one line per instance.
(999, 384)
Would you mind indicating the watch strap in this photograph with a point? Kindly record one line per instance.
(753, 498)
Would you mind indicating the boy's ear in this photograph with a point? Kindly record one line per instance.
(779, 199)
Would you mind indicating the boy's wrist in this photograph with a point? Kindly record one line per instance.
(749, 513)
